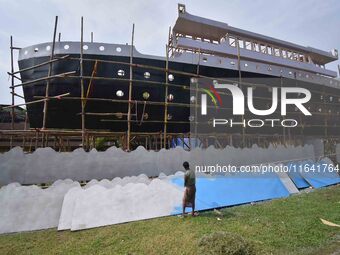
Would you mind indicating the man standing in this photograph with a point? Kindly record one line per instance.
(189, 188)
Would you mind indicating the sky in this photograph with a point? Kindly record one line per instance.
(314, 23)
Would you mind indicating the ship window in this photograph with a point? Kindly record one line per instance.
(241, 43)
(36, 50)
(192, 99)
(269, 50)
(295, 56)
(263, 48)
(146, 75)
(245, 64)
(232, 63)
(248, 45)
(119, 93)
(277, 52)
(85, 47)
(205, 59)
(284, 53)
(26, 52)
(101, 48)
(48, 47)
(118, 49)
(256, 47)
(169, 116)
(121, 72)
(66, 47)
(289, 54)
(269, 68)
(301, 58)
(232, 41)
(171, 77)
(170, 97)
(146, 95)
(191, 118)
(290, 73)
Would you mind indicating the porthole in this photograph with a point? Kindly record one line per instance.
(146, 116)
(146, 75)
(101, 48)
(118, 49)
(192, 99)
(191, 118)
(290, 73)
(232, 63)
(48, 47)
(85, 47)
(66, 47)
(169, 116)
(121, 72)
(171, 77)
(119, 93)
(245, 64)
(146, 95)
(26, 52)
(36, 49)
(205, 60)
(170, 97)
(193, 80)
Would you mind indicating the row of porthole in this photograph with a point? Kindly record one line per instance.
(66, 47)
(146, 95)
(147, 75)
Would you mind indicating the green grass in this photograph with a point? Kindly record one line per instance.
(283, 226)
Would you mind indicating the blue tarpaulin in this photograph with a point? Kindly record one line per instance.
(225, 191)
(317, 175)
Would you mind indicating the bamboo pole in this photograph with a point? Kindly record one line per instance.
(13, 92)
(38, 101)
(240, 83)
(130, 90)
(166, 97)
(49, 74)
(82, 83)
(39, 65)
(166, 90)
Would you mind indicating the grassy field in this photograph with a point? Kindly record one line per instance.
(284, 226)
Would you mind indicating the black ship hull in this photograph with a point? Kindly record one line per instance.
(104, 111)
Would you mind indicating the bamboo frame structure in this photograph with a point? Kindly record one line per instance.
(66, 139)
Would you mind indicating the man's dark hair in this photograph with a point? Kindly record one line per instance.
(186, 165)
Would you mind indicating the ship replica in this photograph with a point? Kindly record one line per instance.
(116, 88)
